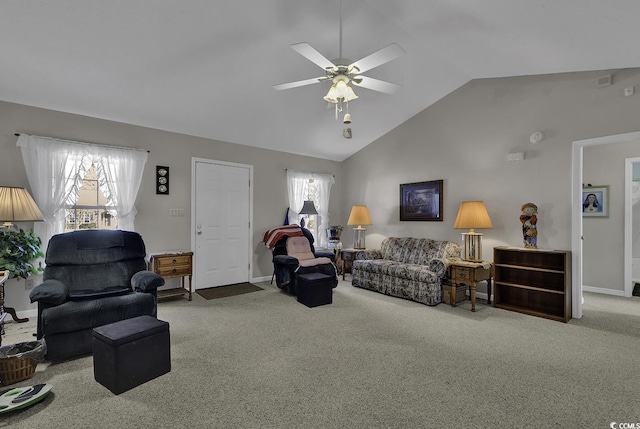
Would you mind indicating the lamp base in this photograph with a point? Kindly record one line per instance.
(472, 246)
(358, 237)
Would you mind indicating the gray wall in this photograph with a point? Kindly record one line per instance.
(464, 139)
(159, 230)
(603, 245)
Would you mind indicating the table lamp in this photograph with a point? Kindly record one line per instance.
(308, 208)
(359, 216)
(472, 215)
(16, 205)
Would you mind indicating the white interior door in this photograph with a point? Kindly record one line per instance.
(222, 215)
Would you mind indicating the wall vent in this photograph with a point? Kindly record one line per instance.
(605, 81)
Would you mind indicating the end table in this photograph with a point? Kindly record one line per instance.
(469, 273)
(347, 256)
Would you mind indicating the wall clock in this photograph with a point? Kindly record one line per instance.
(162, 180)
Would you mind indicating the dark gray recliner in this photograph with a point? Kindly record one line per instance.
(301, 258)
(92, 278)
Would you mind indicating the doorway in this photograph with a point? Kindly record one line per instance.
(221, 222)
(576, 215)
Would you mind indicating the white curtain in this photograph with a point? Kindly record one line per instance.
(55, 169)
(298, 191)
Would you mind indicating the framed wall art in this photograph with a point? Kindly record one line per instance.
(421, 201)
(162, 180)
(595, 201)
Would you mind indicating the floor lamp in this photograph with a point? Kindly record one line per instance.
(16, 205)
(472, 215)
(359, 216)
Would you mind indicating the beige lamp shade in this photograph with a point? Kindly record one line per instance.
(359, 216)
(16, 205)
(472, 215)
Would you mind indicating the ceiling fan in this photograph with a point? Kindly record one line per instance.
(342, 71)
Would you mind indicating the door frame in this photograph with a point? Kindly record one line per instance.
(194, 161)
(577, 164)
(628, 225)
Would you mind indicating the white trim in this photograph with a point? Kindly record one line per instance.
(628, 226)
(603, 291)
(194, 160)
(576, 212)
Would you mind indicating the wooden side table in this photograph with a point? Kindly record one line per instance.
(172, 265)
(469, 274)
(347, 256)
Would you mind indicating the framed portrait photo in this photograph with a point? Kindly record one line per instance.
(421, 201)
(595, 201)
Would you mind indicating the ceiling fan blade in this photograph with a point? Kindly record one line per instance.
(298, 83)
(307, 51)
(376, 84)
(384, 55)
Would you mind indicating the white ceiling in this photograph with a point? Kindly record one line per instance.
(206, 68)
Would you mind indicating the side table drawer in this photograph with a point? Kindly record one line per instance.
(461, 273)
(163, 261)
(174, 270)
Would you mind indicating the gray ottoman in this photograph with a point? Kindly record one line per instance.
(130, 352)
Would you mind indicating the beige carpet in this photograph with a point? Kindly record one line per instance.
(263, 360)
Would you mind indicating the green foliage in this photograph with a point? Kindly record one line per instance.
(17, 250)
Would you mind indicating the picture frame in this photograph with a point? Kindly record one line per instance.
(422, 201)
(595, 201)
(162, 180)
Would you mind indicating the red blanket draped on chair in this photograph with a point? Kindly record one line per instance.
(274, 235)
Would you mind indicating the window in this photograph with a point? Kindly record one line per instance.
(81, 185)
(316, 187)
(90, 210)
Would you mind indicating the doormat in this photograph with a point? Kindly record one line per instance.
(228, 290)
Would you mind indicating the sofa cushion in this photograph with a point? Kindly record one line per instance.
(376, 266)
(420, 273)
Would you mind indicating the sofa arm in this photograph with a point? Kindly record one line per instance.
(369, 254)
(439, 266)
(50, 292)
(146, 281)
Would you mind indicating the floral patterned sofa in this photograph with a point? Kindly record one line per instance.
(410, 268)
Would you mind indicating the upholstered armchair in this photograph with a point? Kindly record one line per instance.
(92, 278)
(294, 254)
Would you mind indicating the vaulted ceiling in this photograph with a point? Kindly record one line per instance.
(207, 68)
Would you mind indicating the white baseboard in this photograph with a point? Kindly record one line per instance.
(603, 291)
(261, 279)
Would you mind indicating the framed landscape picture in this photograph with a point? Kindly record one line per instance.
(421, 201)
(595, 201)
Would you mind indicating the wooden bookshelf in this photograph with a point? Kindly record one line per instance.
(533, 281)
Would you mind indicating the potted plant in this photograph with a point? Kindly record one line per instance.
(333, 232)
(17, 250)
